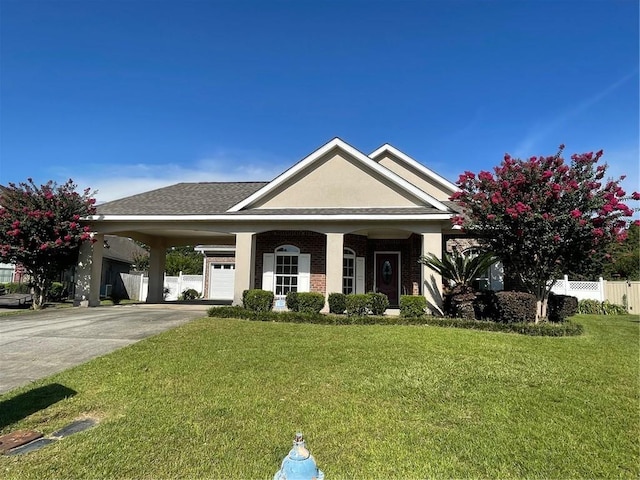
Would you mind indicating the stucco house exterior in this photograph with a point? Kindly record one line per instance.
(339, 220)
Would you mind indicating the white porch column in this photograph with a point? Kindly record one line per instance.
(334, 260)
(157, 260)
(245, 264)
(432, 281)
(89, 273)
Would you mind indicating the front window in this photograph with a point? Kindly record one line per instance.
(286, 269)
(348, 271)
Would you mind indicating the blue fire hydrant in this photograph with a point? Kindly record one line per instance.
(299, 464)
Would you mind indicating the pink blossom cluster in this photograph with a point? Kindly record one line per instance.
(35, 219)
(547, 198)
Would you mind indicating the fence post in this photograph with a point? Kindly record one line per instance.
(180, 282)
(566, 285)
(601, 289)
(141, 289)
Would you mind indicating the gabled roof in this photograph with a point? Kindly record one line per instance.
(364, 161)
(207, 198)
(414, 164)
(121, 249)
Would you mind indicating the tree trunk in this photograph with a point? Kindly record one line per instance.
(541, 308)
(40, 290)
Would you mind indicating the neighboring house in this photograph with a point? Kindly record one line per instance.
(119, 254)
(10, 273)
(337, 221)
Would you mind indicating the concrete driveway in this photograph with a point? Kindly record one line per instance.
(38, 344)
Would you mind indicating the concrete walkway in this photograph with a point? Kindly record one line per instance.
(34, 345)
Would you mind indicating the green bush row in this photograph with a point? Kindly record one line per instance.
(518, 307)
(539, 329)
(14, 287)
(358, 304)
(312, 302)
(594, 307)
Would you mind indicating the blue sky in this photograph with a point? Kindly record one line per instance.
(126, 96)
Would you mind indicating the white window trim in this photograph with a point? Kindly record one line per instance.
(349, 253)
(286, 251)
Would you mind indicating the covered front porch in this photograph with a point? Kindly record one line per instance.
(349, 257)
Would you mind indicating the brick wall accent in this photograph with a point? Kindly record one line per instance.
(460, 244)
(315, 244)
(309, 242)
(357, 243)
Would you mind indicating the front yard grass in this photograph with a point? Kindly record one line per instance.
(222, 398)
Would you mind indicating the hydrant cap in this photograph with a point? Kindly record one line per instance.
(299, 464)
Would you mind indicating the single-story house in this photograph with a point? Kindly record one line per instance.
(11, 273)
(339, 220)
(119, 254)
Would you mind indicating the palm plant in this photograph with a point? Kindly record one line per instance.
(458, 268)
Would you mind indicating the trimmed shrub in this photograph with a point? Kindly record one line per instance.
(378, 303)
(310, 302)
(57, 292)
(357, 304)
(14, 287)
(515, 307)
(244, 298)
(412, 306)
(337, 302)
(258, 300)
(485, 305)
(560, 307)
(292, 301)
(190, 294)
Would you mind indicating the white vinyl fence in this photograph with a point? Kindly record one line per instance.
(174, 286)
(579, 289)
(626, 293)
(137, 285)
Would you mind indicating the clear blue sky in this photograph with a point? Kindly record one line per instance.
(125, 96)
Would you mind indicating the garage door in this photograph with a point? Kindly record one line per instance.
(221, 280)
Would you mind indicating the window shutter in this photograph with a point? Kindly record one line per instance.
(360, 275)
(304, 272)
(267, 271)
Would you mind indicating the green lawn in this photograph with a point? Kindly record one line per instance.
(223, 399)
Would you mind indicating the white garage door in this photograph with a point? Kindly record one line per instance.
(221, 280)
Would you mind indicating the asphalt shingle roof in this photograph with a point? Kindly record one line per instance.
(215, 198)
(207, 198)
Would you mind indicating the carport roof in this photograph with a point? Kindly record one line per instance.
(206, 198)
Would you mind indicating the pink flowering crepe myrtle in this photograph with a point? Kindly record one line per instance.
(41, 229)
(543, 217)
